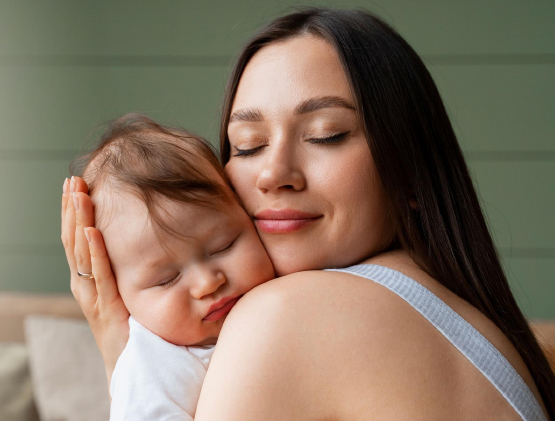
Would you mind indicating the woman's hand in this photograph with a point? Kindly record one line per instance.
(99, 298)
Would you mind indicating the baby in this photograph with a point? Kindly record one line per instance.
(183, 252)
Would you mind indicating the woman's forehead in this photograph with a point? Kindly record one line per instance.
(283, 75)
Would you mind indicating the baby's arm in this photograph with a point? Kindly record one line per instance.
(156, 380)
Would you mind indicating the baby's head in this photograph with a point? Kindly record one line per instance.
(181, 246)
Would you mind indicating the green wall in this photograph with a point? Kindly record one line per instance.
(68, 66)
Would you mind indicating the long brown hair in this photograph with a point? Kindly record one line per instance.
(418, 158)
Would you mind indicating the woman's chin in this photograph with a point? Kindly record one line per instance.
(288, 264)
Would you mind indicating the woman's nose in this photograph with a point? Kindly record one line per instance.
(281, 169)
(205, 281)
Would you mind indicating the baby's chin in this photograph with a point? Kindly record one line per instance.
(207, 341)
(188, 341)
(183, 337)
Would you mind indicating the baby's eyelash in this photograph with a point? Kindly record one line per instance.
(225, 248)
(170, 282)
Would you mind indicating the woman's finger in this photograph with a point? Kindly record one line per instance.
(111, 316)
(84, 217)
(68, 230)
(102, 269)
(65, 196)
(108, 294)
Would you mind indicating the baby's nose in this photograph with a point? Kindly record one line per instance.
(206, 282)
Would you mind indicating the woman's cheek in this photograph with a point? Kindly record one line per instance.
(242, 176)
(252, 264)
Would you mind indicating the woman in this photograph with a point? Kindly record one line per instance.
(336, 140)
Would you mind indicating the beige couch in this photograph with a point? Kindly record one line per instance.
(49, 363)
(50, 367)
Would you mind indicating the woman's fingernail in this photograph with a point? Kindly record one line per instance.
(72, 185)
(87, 235)
(66, 182)
(75, 202)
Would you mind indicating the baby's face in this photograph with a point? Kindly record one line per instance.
(181, 288)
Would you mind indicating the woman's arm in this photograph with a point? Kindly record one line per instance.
(99, 297)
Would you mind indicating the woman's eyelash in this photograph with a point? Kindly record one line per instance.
(247, 152)
(336, 138)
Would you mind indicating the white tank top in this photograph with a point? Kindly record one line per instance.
(475, 347)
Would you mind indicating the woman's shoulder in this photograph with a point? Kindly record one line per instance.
(324, 295)
(321, 326)
(323, 298)
(314, 340)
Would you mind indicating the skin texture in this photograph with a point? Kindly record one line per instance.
(322, 345)
(169, 282)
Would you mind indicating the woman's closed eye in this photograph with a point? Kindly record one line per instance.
(335, 138)
(248, 151)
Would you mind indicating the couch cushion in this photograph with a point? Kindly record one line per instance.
(67, 370)
(14, 307)
(16, 393)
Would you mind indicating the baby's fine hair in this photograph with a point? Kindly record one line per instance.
(153, 162)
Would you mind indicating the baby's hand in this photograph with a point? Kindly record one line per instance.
(98, 296)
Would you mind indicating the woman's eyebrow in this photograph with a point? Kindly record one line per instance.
(315, 104)
(253, 115)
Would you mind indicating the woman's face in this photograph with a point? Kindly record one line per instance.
(300, 161)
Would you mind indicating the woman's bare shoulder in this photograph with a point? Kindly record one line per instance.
(307, 306)
(329, 342)
(323, 341)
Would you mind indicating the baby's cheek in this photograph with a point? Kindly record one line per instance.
(259, 268)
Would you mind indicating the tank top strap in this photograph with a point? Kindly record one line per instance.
(471, 343)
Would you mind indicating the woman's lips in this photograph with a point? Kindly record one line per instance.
(220, 309)
(276, 221)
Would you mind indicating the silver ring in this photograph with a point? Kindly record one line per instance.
(85, 275)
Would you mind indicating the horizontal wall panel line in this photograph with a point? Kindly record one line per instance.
(223, 60)
(57, 249)
(114, 60)
(489, 59)
(510, 156)
(32, 249)
(38, 154)
(478, 156)
(527, 253)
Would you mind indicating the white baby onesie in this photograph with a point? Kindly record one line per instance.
(157, 380)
